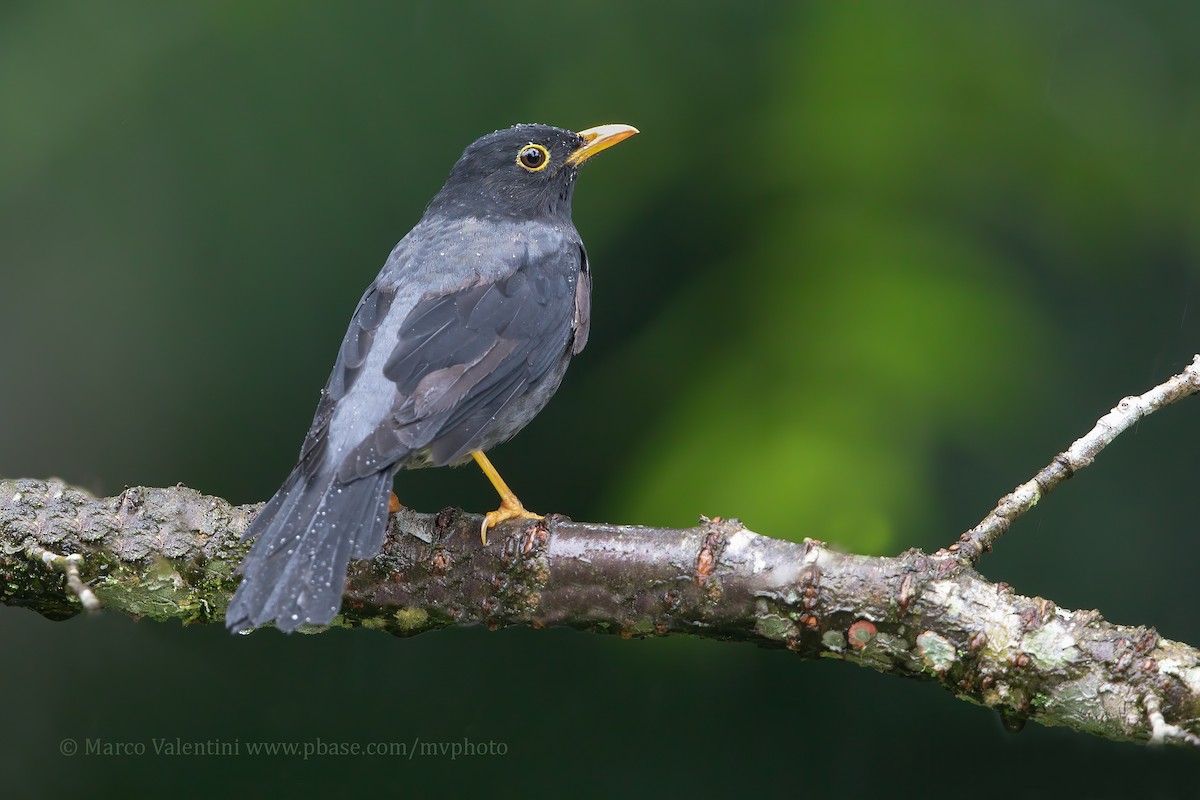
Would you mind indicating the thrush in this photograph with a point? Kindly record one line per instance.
(458, 343)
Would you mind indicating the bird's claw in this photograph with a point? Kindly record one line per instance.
(509, 509)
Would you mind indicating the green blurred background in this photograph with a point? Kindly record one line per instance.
(868, 266)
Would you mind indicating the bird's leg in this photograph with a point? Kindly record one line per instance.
(510, 506)
(394, 506)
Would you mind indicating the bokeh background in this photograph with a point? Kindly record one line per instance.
(868, 266)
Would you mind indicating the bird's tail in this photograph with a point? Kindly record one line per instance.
(306, 534)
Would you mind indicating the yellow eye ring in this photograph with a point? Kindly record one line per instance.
(533, 157)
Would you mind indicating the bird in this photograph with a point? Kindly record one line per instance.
(457, 344)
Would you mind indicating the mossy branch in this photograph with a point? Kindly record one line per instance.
(172, 554)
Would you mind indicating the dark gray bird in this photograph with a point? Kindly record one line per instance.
(459, 342)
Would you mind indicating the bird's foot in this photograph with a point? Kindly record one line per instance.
(394, 506)
(510, 508)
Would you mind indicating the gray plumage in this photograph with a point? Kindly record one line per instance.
(458, 343)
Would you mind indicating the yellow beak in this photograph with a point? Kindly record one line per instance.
(599, 138)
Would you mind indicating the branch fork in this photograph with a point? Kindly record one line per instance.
(172, 554)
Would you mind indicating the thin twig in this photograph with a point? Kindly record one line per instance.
(1080, 454)
(68, 565)
(1163, 732)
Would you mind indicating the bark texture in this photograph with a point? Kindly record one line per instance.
(172, 554)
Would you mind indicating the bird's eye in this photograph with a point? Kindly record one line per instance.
(533, 157)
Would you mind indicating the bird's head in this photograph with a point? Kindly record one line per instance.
(525, 171)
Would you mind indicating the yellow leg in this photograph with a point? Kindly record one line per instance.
(510, 506)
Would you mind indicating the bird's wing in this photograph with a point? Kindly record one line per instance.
(582, 323)
(371, 311)
(461, 357)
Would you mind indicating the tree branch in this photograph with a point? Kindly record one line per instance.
(1080, 454)
(171, 554)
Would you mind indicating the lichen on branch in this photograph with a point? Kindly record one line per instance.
(172, 553)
